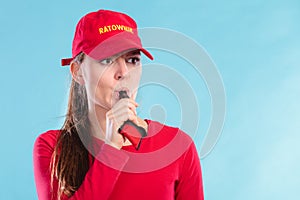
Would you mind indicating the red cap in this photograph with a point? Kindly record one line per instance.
(103, 34)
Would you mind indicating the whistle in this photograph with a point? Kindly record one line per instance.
(130, 130)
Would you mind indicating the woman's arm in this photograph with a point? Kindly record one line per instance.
(99, 180)
(190, 184)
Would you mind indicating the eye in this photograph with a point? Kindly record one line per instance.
(134, 60)
(107, 61)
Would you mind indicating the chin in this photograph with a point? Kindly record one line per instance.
(100, 104)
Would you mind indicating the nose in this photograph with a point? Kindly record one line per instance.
(121, 67)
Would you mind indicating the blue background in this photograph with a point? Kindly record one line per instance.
(255, 45)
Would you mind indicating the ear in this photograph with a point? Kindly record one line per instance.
(76, 72)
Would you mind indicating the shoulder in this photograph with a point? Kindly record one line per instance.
(46, 141)
(164, 134)
(156, 128)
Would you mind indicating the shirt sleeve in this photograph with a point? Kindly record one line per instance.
(190, 184)
(98, 183)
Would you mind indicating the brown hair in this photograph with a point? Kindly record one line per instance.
(70, 159)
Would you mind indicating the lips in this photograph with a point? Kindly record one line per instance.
(116, 92)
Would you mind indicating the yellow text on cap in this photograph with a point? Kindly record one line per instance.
(114, 27)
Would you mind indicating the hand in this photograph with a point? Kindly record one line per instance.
(123, 110)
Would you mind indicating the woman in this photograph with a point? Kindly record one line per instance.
(99, 153)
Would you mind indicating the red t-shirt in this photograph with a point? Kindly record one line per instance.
(166, 167)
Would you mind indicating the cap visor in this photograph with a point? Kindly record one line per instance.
(117, 44)
(66, 61)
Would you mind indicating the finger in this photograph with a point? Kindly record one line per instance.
(134, 102)
(126, 101)
(123, 105)
(121, 115)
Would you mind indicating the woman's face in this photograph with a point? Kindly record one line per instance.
(104, 79)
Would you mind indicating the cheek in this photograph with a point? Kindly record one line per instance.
(105, 82)
(103, 87)
(135, 76)
(94, 78)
